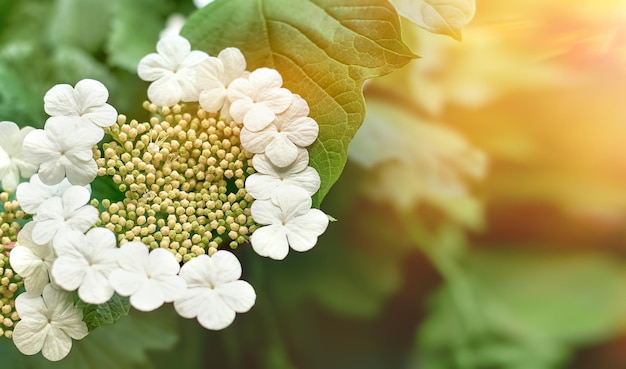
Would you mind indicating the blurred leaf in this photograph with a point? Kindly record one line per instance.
(324, 50)
(120, 346)
(531, 311)
(26, 20)
(446, 17)
(413, 161)
(134, 31)
(72, 64)
(80, 23)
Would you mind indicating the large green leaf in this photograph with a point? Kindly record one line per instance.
(528, 310)
(325, 50)
(128, 42)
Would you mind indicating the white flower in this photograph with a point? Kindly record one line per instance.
(280, 144)
(270, 178)
(289, 221)
(31, 195)
(255, 101)
(64, 150)
(14, 161)
(48, 323)
(58, 215)
(149, 278)
(84, 105)
(172, 71)
(215, 75)
(32, 261)
(85, 261)
(214, 290)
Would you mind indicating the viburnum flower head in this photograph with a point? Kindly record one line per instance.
(58, 215)
(214, 292)
(256, 100)
(84, 105)
(64, 150)
(32, 261)
(289, 222)
(281, 139)
(149, 278)
(48, 323)
(172, 71)
(14, 161)
(216, 74)
(269, 177)
(84, 262)
(32, 194)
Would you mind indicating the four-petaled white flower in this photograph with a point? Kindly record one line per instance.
(32, 261)
(214, 292)
(281, 139)
(14, 161)
(172, 71)
(215, 75)
(256, 100)
(85, 261)
(58, 215)
(149, 278)
(289, 221)
(63, 150)
(31, 195)
(84, 105)
(48, 323)
(269, 177)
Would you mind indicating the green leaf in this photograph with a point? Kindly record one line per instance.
(80, 23)
(324, 49)
(134, 31)
(104, 314)
(446, 17)
(526, 310)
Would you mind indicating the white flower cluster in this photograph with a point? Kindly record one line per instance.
(61, 250)
(276, 128)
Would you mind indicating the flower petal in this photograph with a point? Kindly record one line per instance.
(192, 300)
(302, 231)
(165, 91)
(302, 131)
(95, 287)
(226, 266)
(215, 313)
(103, 116)
(281, 151)
(57, 345)
(239, 295)
(293, 201)
(270, 241)
(266, 212)
(148, 297)
(261, 186)
(256, 142)
(60, 100)
(23, 337)
(125, 282)
(163, 262)
(152, 67)
(90, 93)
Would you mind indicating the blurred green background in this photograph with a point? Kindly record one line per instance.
(481, 217)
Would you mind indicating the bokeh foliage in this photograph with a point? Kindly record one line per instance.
(433, 263)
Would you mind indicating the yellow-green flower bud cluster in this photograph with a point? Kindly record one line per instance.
(183, 175)
(10, 281)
